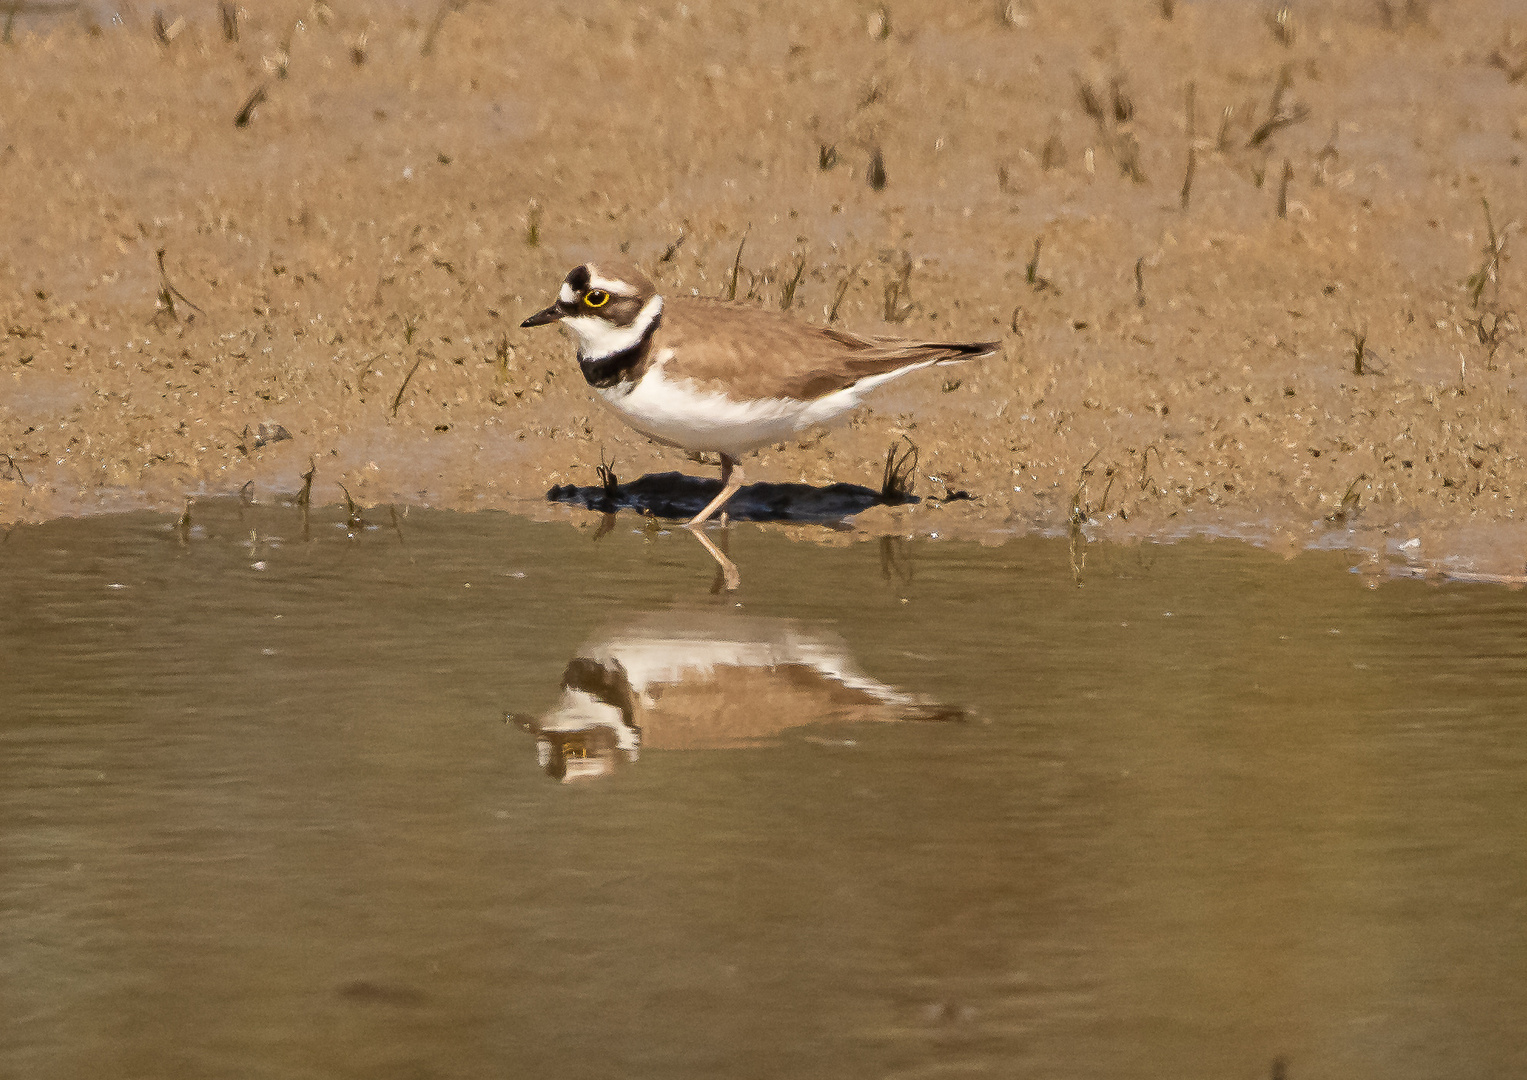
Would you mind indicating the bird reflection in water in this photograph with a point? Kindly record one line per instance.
(705, 681)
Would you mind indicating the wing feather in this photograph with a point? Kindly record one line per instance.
(755, 353)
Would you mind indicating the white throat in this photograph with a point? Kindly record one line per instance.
(598, 338)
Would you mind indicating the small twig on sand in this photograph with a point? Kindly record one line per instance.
(246, 114)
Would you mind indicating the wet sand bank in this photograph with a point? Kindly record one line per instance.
(1316, 344)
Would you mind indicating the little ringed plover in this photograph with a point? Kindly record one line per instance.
(707, 375)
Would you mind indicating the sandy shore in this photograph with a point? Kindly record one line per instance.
(1312, 342)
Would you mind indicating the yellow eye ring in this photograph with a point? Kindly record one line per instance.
(596, 298)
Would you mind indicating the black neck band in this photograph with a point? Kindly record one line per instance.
(606, 371)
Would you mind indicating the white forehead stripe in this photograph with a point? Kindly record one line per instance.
(610, 285)
(566, 295)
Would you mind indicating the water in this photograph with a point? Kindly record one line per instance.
(912, 810)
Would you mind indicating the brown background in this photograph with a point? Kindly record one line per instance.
(417, 180)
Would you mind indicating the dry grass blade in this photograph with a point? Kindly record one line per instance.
(12, 468)
(605, 470)
(353, 520)
(305, 496)
(230, 16)
(1278, 117)
(164, 32)
(1226, 118)
(1323, 160)
(1126, 151)
(839, 294)
(1284, 84)
(1053, 154)
(787, 292)
(1489, 271)
(1494, 325)
(501, 354)
(1123, 104)
(1031, 271)
(1146, 481)
(1091, 104)
(731, 287)
(1079, 511)
(446, 8)
(898, 294)
(900, 470)
(672, 249)
(256, 99)
(533, 225)
(1282, 26)
(1273, 124)
(397, 398)
(1288, 174)
(875, 174)
(1359, 351)
(1351, 502)
(168, 293)
(1493, 329)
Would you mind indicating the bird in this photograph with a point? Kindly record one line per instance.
(713, 375)
(701, 680)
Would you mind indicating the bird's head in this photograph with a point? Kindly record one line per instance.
(610, 306)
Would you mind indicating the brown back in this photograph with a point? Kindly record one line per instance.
(757, 353)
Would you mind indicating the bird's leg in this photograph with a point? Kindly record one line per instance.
(730, 576)
(731, 481)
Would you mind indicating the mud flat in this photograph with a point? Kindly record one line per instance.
(1252, 272)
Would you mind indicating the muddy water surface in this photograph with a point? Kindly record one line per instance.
(908, 809)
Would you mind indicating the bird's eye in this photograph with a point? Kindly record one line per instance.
(596, 298)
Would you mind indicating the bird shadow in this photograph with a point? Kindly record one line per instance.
(674, 495)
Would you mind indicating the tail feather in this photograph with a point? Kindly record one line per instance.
(875, 348)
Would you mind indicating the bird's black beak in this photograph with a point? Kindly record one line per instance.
(541, 318)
